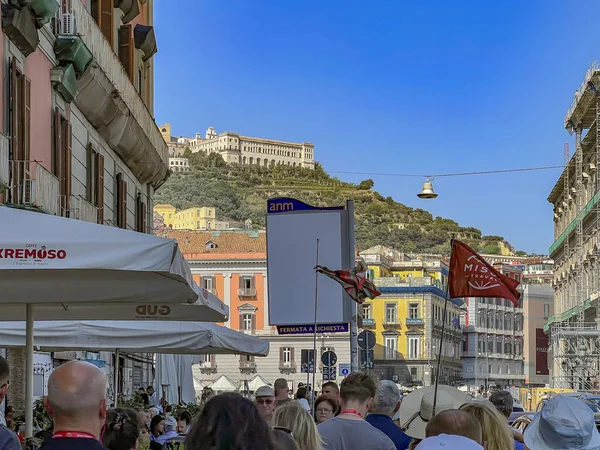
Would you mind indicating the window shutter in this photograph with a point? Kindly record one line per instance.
(26, 118)
(292, 353)
(253, 323)
(67, 163)
(57, 156)
(202, 282)
(241, 281)
(100, 187)
(90, 174)
(281, 354)
(242, 322)
(214, 283)
(138, 212)
(123, 203)
(126, 50)
(104, 16)
(144, 218)
(252, 282)
(14, 103)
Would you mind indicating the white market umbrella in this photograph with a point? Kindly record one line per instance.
(54, 260)
(184, 379)
(223, 384)
(165, 379)
(257, 382)
(208, 308)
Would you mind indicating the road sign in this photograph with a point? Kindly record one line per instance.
(344, 369)
(307, 361)
(366, 340)
(363, 359)
(329, 358)
(329, 373)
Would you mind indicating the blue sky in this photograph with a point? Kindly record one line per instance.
(391, 87)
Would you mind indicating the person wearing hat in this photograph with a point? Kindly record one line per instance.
(563, 423)
(265, 402)
(417, 410)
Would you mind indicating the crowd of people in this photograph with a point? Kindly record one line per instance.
(363, 413)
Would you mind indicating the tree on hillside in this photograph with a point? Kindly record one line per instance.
(365, 185)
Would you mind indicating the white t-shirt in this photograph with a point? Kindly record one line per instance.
(304, 403)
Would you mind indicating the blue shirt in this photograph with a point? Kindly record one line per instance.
(519, 446)
(390, 429)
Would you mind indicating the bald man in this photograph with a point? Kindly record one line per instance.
(455, 422)
(76, 402)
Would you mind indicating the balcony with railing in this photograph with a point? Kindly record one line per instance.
(34, 187)
(368, 322)
(81, 209)
(391, 322)
(247, 365)
(287, 366)
(414, 321)
(247, 292)
(4, 163)
(407, 282)
(110, 101)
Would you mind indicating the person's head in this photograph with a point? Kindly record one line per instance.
(144, 439)
(503, 401)
(564, 422)
(142, 390)
(145, 416)
(455, 422)
(448, 441)
(157, 426)
(265, 402)
(153, 412)
(229, 421)
(330, 388)
(495, 431)
(9, 413)
(301, 393)
(325, 408)
(122, 429)
(295, 418)
(170, 424)
(150, 390)
(4, 378)
(357, 392)
(183, 421)
(281, 388)
(387, 399)
(76, 398)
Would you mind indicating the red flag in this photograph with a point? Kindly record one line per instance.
(354, 281)
(472, 276)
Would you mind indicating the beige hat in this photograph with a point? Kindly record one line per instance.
(416, 409)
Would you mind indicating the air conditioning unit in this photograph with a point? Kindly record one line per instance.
(28, 192)
(395, 378)
(67, 24)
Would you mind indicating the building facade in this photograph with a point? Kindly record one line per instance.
(233, 265)
(179, 164)
(236, 149)
(493, 339)
(200, 218)
(407, 318)
(77, 134)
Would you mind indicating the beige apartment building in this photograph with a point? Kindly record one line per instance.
(236, 149)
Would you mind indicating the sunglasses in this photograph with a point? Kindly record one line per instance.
(262, 401)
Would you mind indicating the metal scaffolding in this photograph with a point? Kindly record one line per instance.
(574, 328)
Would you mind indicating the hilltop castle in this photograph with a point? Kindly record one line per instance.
(245, 150)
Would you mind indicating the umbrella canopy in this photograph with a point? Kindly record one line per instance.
(224, 384)
(208, 308)
(184, 379)
(49, 259)
(135, 336)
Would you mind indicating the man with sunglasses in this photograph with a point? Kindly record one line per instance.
(265, 402)
(8, 439)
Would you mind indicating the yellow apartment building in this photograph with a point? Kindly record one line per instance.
(408, 316)
(202, 218)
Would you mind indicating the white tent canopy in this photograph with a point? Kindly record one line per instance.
(49, 259)
(208, 308)
(135, 336)
(257, 382)
(223, 384)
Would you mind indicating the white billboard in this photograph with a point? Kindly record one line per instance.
(292, 232)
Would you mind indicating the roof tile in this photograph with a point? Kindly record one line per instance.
(230, 242)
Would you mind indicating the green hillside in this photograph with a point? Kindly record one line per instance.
(240, 193)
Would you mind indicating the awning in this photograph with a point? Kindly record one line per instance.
(143, 36)
(138, 336)
(130, 9)
(224, 384)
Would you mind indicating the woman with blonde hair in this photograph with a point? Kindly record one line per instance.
(496, 433)
(294, 417)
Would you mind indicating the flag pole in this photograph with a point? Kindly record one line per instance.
(439, 356)
(315, 332)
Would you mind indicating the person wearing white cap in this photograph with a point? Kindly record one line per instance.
(563, 423)
(416, 409)
(448, 442)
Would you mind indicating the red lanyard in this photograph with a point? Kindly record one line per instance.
(351, 411)
(72, 434)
